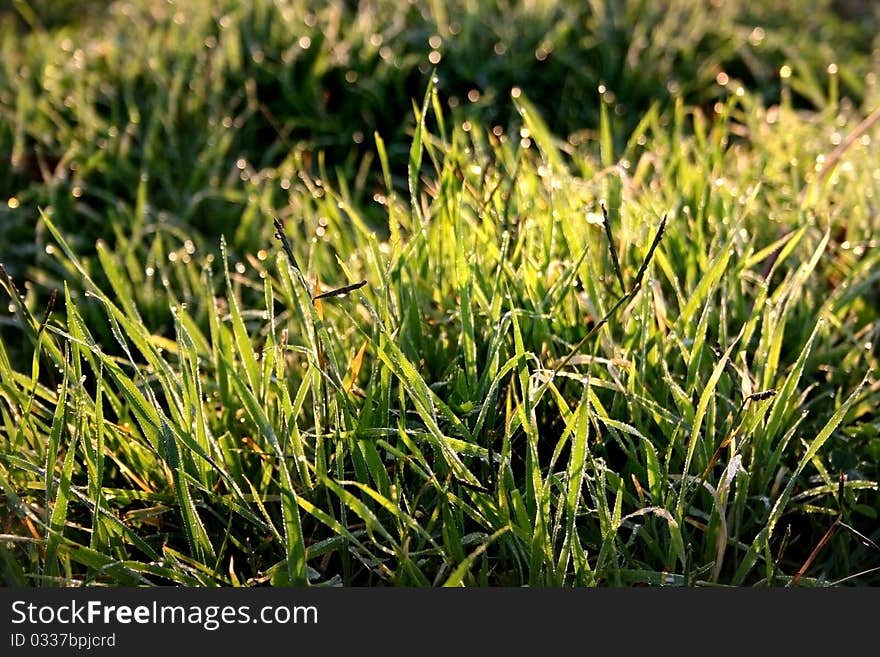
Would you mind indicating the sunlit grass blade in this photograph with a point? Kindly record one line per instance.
(461, 571)
(780, 503)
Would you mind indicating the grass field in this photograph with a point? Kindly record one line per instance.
(460, 293)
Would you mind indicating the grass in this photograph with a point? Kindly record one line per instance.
(445, 354)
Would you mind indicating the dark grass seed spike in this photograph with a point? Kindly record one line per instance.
(612, 248)
(762, 395)
(623, 299)
(650, 256)
(282, 236)
(340, 291)
(50, 308)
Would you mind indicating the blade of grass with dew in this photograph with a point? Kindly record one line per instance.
(390, 507)
(786, 296)
(655, 474)
(366, 450)
(423, 400)
(416, 150)
(294, 541)
(100, 539)
(461, 571)
(290, 411)
(242, 340)
(133, 328)
(202, 574)
(363, 511)
(607, 565)
(120, 285)
(778, 307)
(708, 284)
(335, 526)
(784, 404)
(675, 536)
(762, 539)
(540, 133)
(218, 338)
(327, 371)
(490, 396)
(697, 350)
(203, 443)
(571, 547)
(101, 566)
(537, 502)
(148, 414)
(196, 535)
(468, 337)
(110, 518)
(58, 492)
(705, 397)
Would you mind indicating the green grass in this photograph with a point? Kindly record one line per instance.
(597, 347)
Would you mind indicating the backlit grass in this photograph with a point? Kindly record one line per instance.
(643, 354)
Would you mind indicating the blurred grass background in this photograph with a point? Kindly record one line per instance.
(260, 83)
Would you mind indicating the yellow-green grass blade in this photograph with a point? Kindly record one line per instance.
(762, 539)
(293, 536)
(196, 535)
(457, 577)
